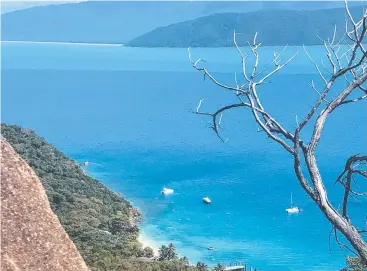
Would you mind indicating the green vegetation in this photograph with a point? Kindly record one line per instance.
(201, 266)
(122, 21)
(101, 223)
(275, 27)
(354, 264)
(167, 253)
(219, 267)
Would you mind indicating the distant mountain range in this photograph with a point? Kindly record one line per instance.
(275, 27)
(9, 5)
(121, 22)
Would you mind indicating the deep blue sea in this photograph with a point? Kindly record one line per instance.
(128, 111)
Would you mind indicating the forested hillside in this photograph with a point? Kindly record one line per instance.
(101, 223)
(274, 27)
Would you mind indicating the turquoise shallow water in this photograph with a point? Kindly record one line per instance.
(128, 112)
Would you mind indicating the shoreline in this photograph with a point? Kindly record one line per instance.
(141, 46)
(63, 43)
(146, 241)
(136, 216)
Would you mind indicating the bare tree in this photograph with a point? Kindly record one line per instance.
(344, 64)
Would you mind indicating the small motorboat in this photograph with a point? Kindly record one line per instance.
(167, 191)
(207, 200)
(211, 248)
(292, 209)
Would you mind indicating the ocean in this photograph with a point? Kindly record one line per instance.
(129, 112)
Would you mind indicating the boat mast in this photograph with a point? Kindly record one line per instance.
(291, 200)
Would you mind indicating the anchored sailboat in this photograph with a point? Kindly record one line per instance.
(292, 209)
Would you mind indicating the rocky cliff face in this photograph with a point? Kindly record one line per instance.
(32, 237)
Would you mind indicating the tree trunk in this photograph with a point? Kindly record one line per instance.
(336, 219)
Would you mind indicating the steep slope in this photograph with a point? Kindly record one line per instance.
(275, 27)
(100, 222)
(32, 237)
(119, 22)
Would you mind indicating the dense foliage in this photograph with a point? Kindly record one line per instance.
(202, 266)
(219, 267)
(100, 222)
(167, 253)
(355, 264)
(275, 27)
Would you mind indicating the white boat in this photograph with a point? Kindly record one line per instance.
(211, 248)
(167, 191)
(207, 200)
(292, 209)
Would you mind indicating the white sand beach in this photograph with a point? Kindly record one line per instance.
(147, 242)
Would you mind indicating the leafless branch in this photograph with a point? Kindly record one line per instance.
(243, 58)
(345, 179)
(348, 65)
(341, 245)
(316, 66)
(354, 100)
(205, 71)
